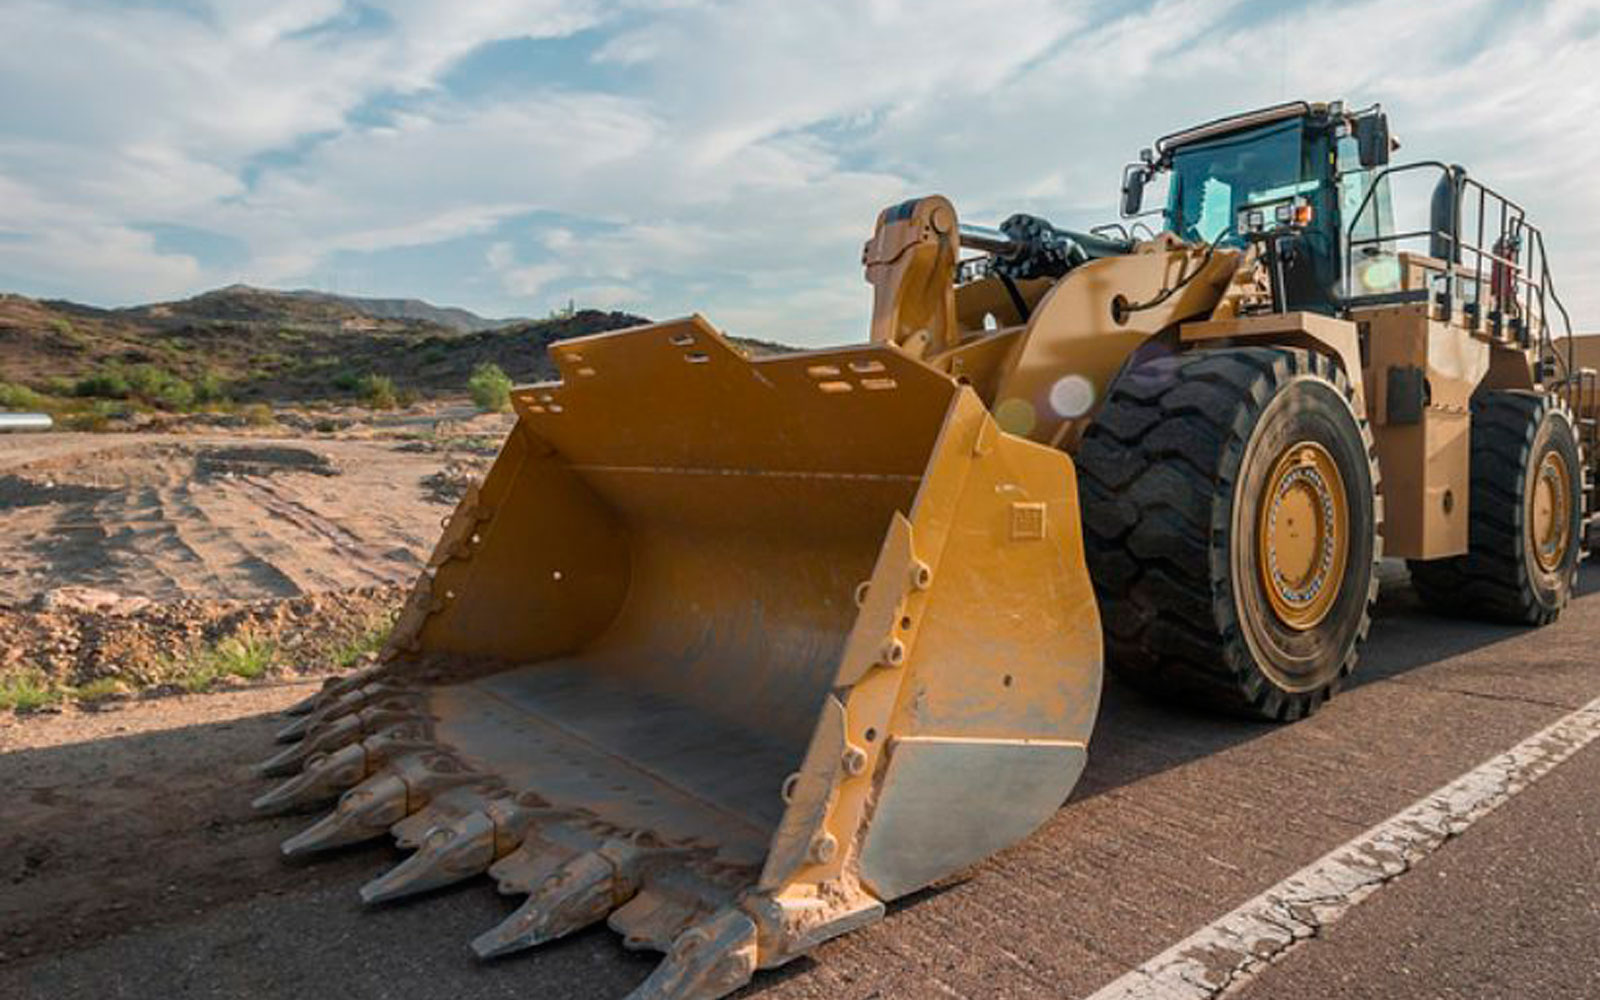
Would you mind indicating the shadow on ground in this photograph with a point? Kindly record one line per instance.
(1137, 736)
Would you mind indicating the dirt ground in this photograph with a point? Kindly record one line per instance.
(122, 556)
(133, 815)
(217, 516)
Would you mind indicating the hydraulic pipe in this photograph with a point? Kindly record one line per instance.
(988, 240)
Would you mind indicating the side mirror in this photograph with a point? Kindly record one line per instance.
(1372, 140)
(1134, 178)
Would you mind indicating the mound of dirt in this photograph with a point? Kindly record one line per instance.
(262, 460)
(24, 491)
(74, 640)
(86, 476)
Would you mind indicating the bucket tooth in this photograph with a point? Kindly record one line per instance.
(326, 776)
(364, 812)
(450, 851)
(305, 705)
(331, 688)
(654, 918)
(296, 729)
(338, 707)
(458, 834)
(709, 960)
(337, 733)
(416, 774)
(578, 892)
(331, 709)
(449, 805)
(323, 778)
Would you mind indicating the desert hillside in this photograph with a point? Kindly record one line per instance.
(246, 345)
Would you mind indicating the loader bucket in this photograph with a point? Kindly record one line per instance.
(727, 651)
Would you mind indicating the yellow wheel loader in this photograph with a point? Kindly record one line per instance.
(728, 652)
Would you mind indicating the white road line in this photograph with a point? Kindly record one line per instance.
(1263, 930)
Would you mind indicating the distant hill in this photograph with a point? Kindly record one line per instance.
(455, 317)
(245, 303)
(258, 344)
(254, 344)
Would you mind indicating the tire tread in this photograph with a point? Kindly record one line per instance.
(1152, 466)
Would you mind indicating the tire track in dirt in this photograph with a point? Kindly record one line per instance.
(351, 552)
(215, 518)
(216, 544)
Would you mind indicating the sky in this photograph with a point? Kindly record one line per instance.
(664, 158)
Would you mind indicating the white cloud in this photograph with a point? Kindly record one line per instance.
(68, 248)
(722, 157)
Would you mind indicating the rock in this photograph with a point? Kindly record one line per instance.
(88, 600)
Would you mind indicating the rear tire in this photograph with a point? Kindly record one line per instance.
(1182, 534)
(1522, 556)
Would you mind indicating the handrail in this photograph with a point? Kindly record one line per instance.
(1530, 287)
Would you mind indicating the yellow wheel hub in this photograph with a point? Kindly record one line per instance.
(1303, 535)
(1550, 512)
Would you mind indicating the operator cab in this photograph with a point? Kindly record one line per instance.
(1293, 176)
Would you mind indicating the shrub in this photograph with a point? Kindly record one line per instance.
(208, 388)
(244, 656)
(347, 381)
(378, 391)
(100, 689)
(369, 641)
(160, 388)
(241, 655)
(28, 691)
(147, 383)
(490, 388)
(69, 334)
(20, 397)
(258, 415)
(108, 383)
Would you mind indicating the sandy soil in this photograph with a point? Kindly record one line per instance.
(213, 516)
(124, 556)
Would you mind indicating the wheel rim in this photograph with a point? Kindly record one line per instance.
(1303, 536)
(1550, 510)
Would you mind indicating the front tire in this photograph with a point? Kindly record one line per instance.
(1525, 515)
(1231, 528)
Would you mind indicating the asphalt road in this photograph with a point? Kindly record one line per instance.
(1180, 817)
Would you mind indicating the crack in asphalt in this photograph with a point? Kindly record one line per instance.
(1485, 695)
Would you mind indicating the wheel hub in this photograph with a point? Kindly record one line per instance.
(1550, 512)
(1303, 535)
